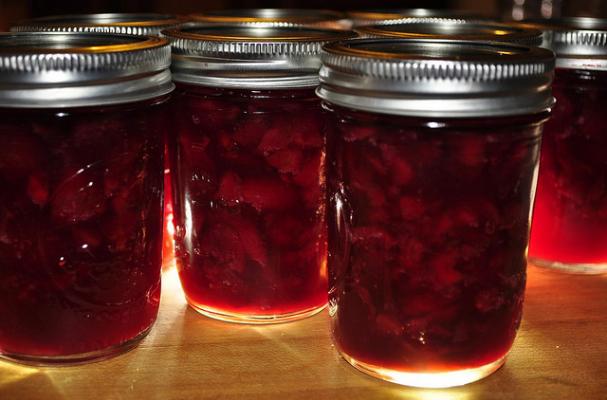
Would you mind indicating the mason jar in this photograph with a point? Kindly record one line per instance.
(246, 163)
(431, 167)
(275, 17)
(82, 124)
(463, 30)
(123, 23)
(569, 230)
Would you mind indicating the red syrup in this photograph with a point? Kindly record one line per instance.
(570, 217)
(80, 228)
(428, 229)
(248, 202)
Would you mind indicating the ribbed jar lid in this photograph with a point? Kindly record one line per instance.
(474, 31)
(387, 16)
(437, 78)
(129, 24)
(274, 17)
(57, 70)
(249, 56)
(579, 42)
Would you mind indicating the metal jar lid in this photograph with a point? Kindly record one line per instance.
(58, 70)
(129, 24)
(275, 17)
(388, 16)
(437, 78)
(249, 56)
(471, 31)
(579, 42)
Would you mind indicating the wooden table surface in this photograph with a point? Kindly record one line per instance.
(560, 353)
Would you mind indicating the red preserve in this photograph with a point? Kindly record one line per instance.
(82, 127)
(431, 169)
(569, 229)
(246, 163)
(123, 23)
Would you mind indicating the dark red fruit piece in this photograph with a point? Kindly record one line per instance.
(20, 154)
(230, 189)
(250, 130)
(286, 161)
(37, 189)
(275, 138)
(267, 194)
(79, 197)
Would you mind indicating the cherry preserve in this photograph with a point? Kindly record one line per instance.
(120, 23)
(429, 202)
(81, 209)
(247, 162)
(569, 231)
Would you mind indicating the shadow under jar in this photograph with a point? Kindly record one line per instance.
(431, 168)
(247, 163)
(81, 144)
(569, 231)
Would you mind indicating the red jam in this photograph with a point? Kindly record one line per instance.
(250, 236)
(80, 228)
(570, 217)
(428, 229)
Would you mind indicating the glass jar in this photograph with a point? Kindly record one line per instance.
(463, 30)
(275, 17)
(123, 23)
(248, 189)
(81, 144)
(570, 220)
(431, 169)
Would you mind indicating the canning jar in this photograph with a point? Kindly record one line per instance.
(462, 30)
(569, 229)
(124, 23)
(247, 161)
(82, 124)
(431, 168)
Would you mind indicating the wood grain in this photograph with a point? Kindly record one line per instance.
(560, 353)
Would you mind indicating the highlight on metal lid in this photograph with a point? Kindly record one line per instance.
(475, 31)
(579, 42)
(130, 24)
(437, 77)
(387, 16)
(249, 56)
(66, 69)
(275, 17)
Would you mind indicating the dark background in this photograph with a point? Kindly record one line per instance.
(15, 10)
(43, 7)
